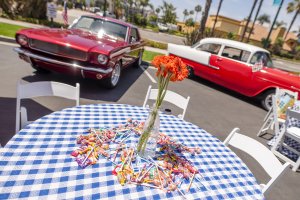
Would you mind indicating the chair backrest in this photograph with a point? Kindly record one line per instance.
(284, 99)
(260, 153)
(291, 114)
(170, 97)
(44, 88)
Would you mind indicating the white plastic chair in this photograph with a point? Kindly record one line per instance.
(170, 97)
(260, 153)
(281, 104)
(292, 132)
(39, 89)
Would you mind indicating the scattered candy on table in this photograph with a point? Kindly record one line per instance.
(167, 172)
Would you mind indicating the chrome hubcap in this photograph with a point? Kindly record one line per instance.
(115, 74)
(268, 101)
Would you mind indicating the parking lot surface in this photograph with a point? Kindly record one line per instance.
(213, 108)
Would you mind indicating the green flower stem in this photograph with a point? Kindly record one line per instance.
(163, 83)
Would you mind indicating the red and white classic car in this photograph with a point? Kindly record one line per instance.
(93, 46)
(241, 67)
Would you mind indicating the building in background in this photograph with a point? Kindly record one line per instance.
(226, 26)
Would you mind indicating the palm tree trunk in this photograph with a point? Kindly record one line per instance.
(248, 20)
(203, 20)
(216, 19)
(270, 31)
(256, 15)
(291, 24)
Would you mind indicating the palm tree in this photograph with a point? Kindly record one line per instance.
(216, 19)
(267, 43)
(264, 18)
(169, 14)
(293, 6)
(248, 19)
(185, 14)
(191, 12)
(201, 30)
(157, 10)
(279, 24)
(198, 9)
(257, 12)
(143, 4)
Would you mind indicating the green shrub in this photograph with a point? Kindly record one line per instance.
(155, 44)
(287, 55)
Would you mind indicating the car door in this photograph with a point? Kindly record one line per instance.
(208, 71)
(234, 71)
(135, 44)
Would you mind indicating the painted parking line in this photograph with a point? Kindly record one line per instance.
(9, 44)
(147, 73)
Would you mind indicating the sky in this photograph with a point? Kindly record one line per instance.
(236, 9)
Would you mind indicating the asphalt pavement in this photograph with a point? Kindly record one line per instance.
(213, 108)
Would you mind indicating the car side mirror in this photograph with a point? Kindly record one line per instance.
(257, 66)
(132, 39)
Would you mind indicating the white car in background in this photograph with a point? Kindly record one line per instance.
(162, 27)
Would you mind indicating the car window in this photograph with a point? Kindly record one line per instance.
(262, 57)
(134, 35)
(236, 54)
(84, 23)
(99, 27)
(211, 48)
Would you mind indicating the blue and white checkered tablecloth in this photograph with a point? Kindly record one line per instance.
(36, 162)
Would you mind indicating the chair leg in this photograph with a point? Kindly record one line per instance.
(297, 164)
(265, 127)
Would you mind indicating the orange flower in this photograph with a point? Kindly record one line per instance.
(170, 65)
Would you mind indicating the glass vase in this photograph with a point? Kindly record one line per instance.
(148, 139)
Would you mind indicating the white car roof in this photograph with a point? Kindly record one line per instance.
(233, 43)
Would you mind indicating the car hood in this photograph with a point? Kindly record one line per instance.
(287, 78)
(75, 38)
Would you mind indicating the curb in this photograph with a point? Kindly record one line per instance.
(7, 39)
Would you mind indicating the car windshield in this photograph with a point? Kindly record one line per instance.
(101, 27)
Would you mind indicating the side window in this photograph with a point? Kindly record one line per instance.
(133, 35)
(236, 54)
(211, 48)
(262, 56)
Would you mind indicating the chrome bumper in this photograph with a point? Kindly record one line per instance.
(50, 60)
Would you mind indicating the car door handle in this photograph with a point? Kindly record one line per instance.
(219, 59)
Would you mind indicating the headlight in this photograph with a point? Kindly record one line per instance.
(22, 40)
(102, 59)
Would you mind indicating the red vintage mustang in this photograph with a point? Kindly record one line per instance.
(93, 46)
(241, 67)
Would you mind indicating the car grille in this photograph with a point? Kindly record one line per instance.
(55, 49)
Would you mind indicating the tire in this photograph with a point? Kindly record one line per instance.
(139, 61)
(114, 79)
(266, 99)
(191, 72)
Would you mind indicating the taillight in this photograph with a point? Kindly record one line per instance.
(22, 40)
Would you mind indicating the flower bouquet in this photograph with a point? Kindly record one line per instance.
(169, 68)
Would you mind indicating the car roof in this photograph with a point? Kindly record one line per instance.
(233, 43)
(110, 19)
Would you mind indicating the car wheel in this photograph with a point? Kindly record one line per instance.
(114, 79)
(191, 71)
(266, 99)
(139, 61)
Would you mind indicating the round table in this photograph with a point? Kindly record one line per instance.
(36, 162)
